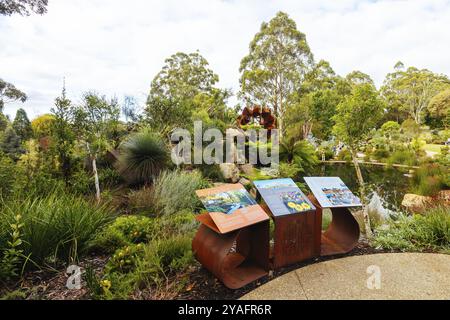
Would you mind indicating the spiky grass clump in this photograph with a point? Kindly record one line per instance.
(142, 157)
(57, 226)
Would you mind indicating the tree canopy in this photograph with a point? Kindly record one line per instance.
(9, 93)
(278, 59)
(23, 7)
(410, 91)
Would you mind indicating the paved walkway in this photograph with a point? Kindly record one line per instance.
(401, 276)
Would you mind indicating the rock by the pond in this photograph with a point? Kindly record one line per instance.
(444, 196)
(230, 172)
(415, 203)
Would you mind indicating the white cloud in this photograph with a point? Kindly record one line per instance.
(116, 47)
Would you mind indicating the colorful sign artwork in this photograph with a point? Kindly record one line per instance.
(283, 196)
(231, 207)
(331, 192)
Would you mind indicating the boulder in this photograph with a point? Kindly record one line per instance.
(230, 172)
(415, 203)
(444, 197)
(246, 169)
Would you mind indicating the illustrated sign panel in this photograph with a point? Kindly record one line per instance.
(331, 192)
(231, 207)
(283, 196)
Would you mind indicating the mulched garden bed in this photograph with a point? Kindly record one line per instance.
(202, 285)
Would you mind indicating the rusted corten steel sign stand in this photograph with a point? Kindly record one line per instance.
(236, 258)
(242, 255)
(342, 234)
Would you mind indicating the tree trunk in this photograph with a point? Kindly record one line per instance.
(97, 184)
(363, 194)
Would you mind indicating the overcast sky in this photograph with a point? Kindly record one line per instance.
(116, 47)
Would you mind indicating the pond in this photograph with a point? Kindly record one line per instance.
(389, 184)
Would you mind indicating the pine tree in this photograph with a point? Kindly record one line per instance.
(11, 144)
(22, 125)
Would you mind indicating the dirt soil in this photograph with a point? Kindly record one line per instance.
(202, 285)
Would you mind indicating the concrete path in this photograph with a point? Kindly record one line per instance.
(378, 276)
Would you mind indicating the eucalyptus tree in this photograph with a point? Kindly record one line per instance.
(183, 86)
(278, 59)
(9, 93)
(411, 90)
(94, 121)
(355, 117)
(23, 7)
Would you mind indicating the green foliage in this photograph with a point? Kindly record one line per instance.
(141, 201)
(125, 231)
(429, 179)
(174, 191)
(344, 155)
(7, 176)
(184, 91)
(93, 283)
(409, 91)
(23, 7)
(57, 226)
(357, 115)
(124, 259)
(165, 257)
(289, 170)
(63, 135)
(406, 157)
(13, 255)
(10, 144)
(22, 125)
(4, 122)
(418, 233)
(8, 92)
(211, 172)
(279, 56)
(42, 126)
(142, 157)
(301, 153)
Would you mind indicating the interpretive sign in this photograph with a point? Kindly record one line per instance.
(331, 192)
(283, 196)
(230, 207)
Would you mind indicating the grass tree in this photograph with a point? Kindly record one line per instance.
(95, 119)
(142, 156)
(355, 117)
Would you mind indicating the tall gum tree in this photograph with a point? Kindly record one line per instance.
(278, 60)
(355, 117)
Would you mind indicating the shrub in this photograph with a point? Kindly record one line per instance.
(163, 258)
(57, 226)
(418, 233)
(109, 177)
(124, 259)
(174, 191)
(289, 170)
(7, 176)
(124, 231)
(141, 200)
(344, 155)
(429, 179)
(142, 156)
(406, 157)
